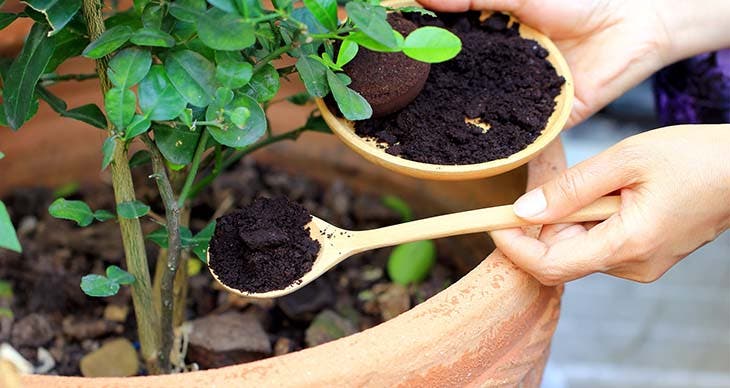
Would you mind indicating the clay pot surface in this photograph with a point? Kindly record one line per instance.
(491, 328)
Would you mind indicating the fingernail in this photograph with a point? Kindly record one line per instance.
(531, 204)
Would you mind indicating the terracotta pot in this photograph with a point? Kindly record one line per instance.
(491, 328)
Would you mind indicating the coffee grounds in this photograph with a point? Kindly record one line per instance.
(264, 246)
(388, 81)
(499, 79)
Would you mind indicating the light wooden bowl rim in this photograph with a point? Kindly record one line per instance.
(370, 150)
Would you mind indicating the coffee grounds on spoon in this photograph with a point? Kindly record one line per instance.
(264, 246)
(499, 79)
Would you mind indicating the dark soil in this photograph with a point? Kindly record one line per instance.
(264, 246)
(498, 79)
(51, 312)
(389, 81)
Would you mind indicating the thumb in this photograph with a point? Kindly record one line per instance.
(576, 188)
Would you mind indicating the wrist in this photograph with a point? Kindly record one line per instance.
(692, 27)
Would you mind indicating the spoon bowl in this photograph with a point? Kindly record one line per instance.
(338, 244)
(370, 150)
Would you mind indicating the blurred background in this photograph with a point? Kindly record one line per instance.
(674, 332)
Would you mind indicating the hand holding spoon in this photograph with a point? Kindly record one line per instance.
(338, 244)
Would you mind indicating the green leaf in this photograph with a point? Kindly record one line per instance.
(102, 215)
(8, 238)
(187, 10)
(431, 45)
(399, 206)
(352, 105)
(371, 44)
(177, 144)
(2, 155)
(201, 241)
(186, 117)
(158, 98)
(129, 66)
(225, 31)
(57, 12)
(6, 312)
(66, 190)
(304, 15)
(302, 98)
(139, 125)
(371, 20)
(118, 275)
(140, 5)
(89, 113)
(411, 262)
(325, 11)
(77, 211)
(264, 84)
(239, 116)
(120, 105)
(326, 60)
(224, 5)
(68, 43)
(161, 238)
(140, 158)
(232, 135)
(152, 18)
(192, 75)
(314, 76)
(231, 70)
(109, 41)
(98, 286)
(348, 51)
(415, 9)
(132, 209)
(107, 151)
(6, 19)
(24, 73)
(249, 8)
(152, 37)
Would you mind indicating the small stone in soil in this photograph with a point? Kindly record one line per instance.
(328, 326)
(116, 358)
(33, 330)
(307, 301)
(227, 339)
(393, 300)
(264, 246)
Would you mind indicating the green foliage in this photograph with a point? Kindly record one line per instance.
(89, 113)
(325, 11)
(74, 210)
(109, 41)
(120, 106)
(352, 105)
(158, 98)
(8, 239)
(225, 31)
(371, 20)
(193, 76)
(431, 44)
(24, 73)
(399, 206)
(411, 262)
(57, 12)
(198, 244)
(107, 151)
(132, 209)
(129, 66)
(102, 286)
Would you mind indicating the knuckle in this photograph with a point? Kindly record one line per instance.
(549, 275)
(569, 186)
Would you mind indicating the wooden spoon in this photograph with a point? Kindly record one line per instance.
(338, 244)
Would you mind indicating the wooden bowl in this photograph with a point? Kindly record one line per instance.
(368, 147)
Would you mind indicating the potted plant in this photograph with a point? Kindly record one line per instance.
(520, 297)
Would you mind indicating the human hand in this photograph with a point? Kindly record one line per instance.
(612, 45)
(675, 193)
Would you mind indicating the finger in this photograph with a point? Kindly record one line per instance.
(551, 234)
(577, 187)
(573, 253)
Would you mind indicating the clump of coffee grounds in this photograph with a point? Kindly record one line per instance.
(264, 246)
(499, 79)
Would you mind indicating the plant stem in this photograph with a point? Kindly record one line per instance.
(237, 155)
(185, 192)
(68, 77)
(271, 56)
(174, 246)
(132, 238)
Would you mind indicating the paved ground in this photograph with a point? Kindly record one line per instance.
(615, 333)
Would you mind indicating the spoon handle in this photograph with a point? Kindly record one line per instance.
(473, 221)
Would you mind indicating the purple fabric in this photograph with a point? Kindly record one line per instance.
(694, 91)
